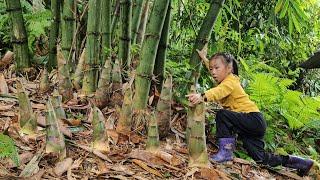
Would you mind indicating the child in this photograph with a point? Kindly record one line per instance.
(240, 116)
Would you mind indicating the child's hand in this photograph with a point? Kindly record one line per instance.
(194, 98)
(203, 53)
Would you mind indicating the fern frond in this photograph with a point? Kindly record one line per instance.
(8, 148)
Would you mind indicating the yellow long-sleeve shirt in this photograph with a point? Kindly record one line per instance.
(230, 95)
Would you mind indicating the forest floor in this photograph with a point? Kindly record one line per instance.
(127, 158)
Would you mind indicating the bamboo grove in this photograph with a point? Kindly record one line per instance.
(113, 54)
(91, 48)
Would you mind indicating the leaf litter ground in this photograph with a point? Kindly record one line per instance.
(127, 159)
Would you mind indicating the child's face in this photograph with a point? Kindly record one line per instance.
(219, 70)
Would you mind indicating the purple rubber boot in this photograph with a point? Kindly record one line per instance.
(303, 166)
(225, 153)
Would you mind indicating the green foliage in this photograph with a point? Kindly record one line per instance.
(37, 23)
(8, 148)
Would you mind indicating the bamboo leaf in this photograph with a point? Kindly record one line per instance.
(298, 10)
(290, 22)
(278, 6)
(284, 9)
(230, 12)
(295, 22)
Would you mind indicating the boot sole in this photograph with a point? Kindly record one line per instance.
(305, 172)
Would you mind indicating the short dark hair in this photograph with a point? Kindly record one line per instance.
(228, 58)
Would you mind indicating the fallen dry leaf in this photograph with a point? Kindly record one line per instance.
(147, 168)
(3, 85)
(23, 158)
(38, 106)
(209, 174)
(6, 107)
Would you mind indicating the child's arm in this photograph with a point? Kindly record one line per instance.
(202, 54)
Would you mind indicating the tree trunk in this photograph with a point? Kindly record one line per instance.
(19, 37)
(125, 33)
(162, 50)
(91, 65)
(137, 12)
(106, 31)
(54, 32)
(67, 30)
(163, 112)
(143, 23)
(204, 35)
(116, 97)
(197, 147)
(148, 54)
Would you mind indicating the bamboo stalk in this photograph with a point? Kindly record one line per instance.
(91, 66)
(64, 84)
(54, 140)
(153, 142)
(28, 121)
(106, 31)
(54, 33)
(68, 29)
(150, 45)
(44, 81)
(117, 96)
(124, 122)
(204, 35)
(56, 101)
(163, 112)
(102, 95)
(198, 156)
(137, 12)
(78, 74)
(162, 50)
(19, 37)
(125, 33)
(100, 137)
(143, 23)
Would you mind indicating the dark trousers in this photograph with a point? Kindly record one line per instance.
(250, 128)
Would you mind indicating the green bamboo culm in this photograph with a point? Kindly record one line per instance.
(163, 112)
(143, 23)
(149, 48)
(54, 138)
(137, 12)
(162, 50)
(106, 31)
(198, 156)
(53, 36)
(115, 18)
(125, 33)
(153, 142)
(19, 37)
(91, 64)
(204, 35)
(28, 121)
(100, 137)
(67, 30)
